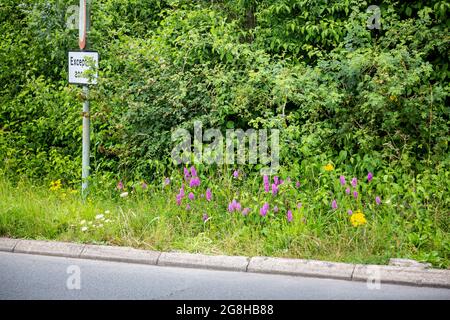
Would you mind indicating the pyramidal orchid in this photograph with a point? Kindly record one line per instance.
(187, 175)
(276, 180)
(194, 182)
(179, 198)
(289, 216)
(266, 183)
(264, 209)
(334, 204)
(182, 191)
(378, 200)
(234, 206)
(274, 189)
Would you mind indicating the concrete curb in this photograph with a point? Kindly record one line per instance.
(403, 275)
(299, 267)
(7, 244)
(412, 275)
(120, 254)
(232, 263)
(49, 248)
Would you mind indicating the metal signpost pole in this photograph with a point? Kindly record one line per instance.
(86, 142)
(86, 115)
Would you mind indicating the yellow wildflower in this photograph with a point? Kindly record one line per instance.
(55, 185)
(358, 218)
(329, 167)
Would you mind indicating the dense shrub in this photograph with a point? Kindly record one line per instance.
(311, 68)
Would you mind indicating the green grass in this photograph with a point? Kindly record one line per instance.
(151, 219)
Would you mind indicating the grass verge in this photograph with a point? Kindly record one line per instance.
(150, 218)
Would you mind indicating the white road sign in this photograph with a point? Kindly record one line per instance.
(79, 63)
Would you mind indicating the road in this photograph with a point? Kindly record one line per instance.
(24, 276)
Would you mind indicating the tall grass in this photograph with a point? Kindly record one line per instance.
(150, 218)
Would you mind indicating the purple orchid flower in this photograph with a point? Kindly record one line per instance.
(208, 194)
(187, 175)
(274, 189)
(378, 200)
(264, 209)
(179, 198)
(266, 183)
(276, 180)
(289, 216)
(194, 182)
(234, 206)
(334, 204)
